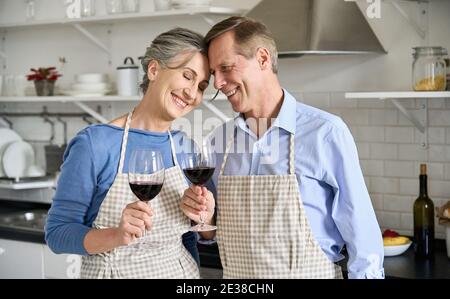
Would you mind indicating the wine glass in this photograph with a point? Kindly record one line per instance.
(198, 167)
(145, 175)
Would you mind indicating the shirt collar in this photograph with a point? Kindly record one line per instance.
(286, 119)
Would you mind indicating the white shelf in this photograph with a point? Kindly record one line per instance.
(28, 185)
(69, 99)
(398, 95)
(81, 100)
(395, 96)
(107, 19)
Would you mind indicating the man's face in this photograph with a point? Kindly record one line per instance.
(235, 76)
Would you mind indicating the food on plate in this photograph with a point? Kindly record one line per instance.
(394, 241)
(390, 233)
(392, 238)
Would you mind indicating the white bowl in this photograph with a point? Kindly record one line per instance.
(35, 171)
(101, 86)
(91, 78)
(396, 250)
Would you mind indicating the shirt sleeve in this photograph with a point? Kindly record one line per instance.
(66, 229)
(352, 209)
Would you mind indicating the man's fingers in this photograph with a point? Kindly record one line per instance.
(196, 189)
(191, 211)
(193, 204)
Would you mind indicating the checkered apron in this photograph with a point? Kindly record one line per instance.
(262, 229)
(163, 254)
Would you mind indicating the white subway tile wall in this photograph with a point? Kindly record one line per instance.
(390, 151)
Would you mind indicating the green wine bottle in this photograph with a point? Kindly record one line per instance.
(423, 218)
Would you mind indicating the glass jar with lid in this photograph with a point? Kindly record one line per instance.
(429, 70)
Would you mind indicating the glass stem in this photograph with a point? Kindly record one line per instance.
(202, 221)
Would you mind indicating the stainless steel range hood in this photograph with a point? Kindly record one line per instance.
(332, 27)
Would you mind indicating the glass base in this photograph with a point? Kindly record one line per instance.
(202, 228)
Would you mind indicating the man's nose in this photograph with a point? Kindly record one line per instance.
(219, 81)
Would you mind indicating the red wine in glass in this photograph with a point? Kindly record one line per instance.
(145, 176)
(199, 175)
(199, 167)
(145, 191)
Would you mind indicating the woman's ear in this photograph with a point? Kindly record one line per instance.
(152, 70)
(263, 58)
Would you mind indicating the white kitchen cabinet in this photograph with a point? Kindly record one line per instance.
(61, 265)
(21, 259)
(33, 260)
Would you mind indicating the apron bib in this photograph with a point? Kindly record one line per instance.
(262, 229)
(163, 255)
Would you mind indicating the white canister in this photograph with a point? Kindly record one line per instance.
(127, 78)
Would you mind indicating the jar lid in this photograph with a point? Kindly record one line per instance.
(127, 66)
(430, 51)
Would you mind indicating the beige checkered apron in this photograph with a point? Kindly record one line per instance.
(262, 230)
(163, 255)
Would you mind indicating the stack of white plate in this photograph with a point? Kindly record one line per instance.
(182, 4)
(92, 84)
(17, 159)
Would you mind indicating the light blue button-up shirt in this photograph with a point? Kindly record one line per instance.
(331, 183)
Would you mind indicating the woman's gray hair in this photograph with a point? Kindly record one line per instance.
(167, 46)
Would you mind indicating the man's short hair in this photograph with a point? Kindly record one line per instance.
(249, 35)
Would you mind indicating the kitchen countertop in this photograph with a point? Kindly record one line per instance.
(408, 266)
(403, 266)
(7, 207)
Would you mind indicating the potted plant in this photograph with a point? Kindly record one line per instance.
(44, 80)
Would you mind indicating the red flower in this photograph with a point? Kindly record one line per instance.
(49, 73)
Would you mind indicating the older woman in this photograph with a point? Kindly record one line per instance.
(94, 213)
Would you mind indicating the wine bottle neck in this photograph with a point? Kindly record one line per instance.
(423, 185)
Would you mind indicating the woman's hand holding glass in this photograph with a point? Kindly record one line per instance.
(146, 174)
(136, 218)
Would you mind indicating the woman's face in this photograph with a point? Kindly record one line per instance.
(180, 90)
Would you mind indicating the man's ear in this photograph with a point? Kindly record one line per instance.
(152, 70)
(263, 58)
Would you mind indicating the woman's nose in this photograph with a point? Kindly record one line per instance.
(190, 92)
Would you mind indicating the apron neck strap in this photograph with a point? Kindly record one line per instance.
(172, 146)
(225, 154)
(291, 154)
(124, 142)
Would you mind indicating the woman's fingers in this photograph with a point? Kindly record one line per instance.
(141, 206)
(133, 230)
(140, 215)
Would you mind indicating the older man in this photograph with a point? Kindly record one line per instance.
(294, 194)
